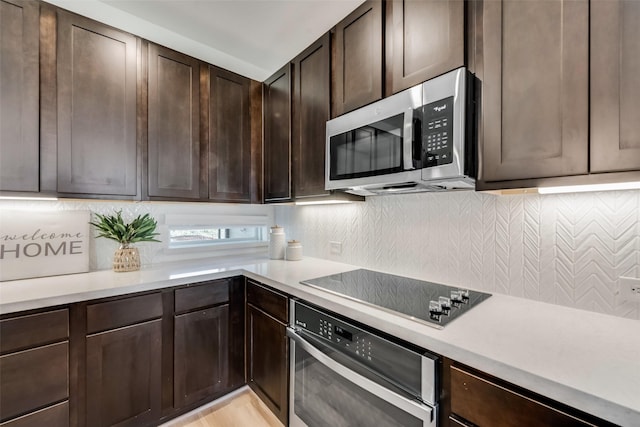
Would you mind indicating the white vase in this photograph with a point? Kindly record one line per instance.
(277, 242)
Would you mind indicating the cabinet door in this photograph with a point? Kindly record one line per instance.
(229, 137)
(423, 40)
(357, 53)
(174, 125)
(615, 88)
(32, 379)
(201, 358)
(277, 136)
(123, 376)
(485, 403)
(19, 96)
(267, 360)
(535, 87)
(96, 109)
(311, 90)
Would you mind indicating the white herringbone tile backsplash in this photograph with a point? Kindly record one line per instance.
(561, 249)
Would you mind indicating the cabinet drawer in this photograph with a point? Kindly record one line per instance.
(485, 403)
(23, 332)
(271, 302)
(53, 416)
(202, 295)
(32, 379)
(123, 312)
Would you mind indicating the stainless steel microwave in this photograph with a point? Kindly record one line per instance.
(420, 139)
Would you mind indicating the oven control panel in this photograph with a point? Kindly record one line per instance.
(389, 359)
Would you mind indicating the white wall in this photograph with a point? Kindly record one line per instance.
(101, 249)
(561, 249)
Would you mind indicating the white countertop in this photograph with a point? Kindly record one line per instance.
(586, 360)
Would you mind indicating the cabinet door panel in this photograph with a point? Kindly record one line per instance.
(96, 72)
(267, 358)
(19, 96)
(52, 416)
(201, 354)
(311, 106)
(33, 378)
(229, 137)
(484, 403)
(534, 89)
(615, 89)
(424, 39)
(357, 76)
(174, 120)
(277, 136)
(123, 376)
(20, 333)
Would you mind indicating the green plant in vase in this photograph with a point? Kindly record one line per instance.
(141, 229)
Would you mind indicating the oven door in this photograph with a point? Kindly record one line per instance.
(330, 389)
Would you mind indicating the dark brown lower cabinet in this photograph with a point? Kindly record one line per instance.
(201, 354)
(123, 376)
(52, 416)
(34, 369)
(478, 399)
(268, 349)
(33, 379)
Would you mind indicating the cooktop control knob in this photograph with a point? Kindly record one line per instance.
(445, 303)
(465, 294)
(456, 296)
(435, 307)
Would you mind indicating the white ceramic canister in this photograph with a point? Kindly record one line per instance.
(277, 242)
(294, 251)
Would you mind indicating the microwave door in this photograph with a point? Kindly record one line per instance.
(369, 150)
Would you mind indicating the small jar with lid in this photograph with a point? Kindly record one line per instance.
(294, 251)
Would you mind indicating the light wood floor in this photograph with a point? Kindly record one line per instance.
(243, 410)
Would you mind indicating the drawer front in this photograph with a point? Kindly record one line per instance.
(116, 314)
(485, 403)
(20, 333)
(53, 416)
(32, 379)
(202, 295)
(271, 302)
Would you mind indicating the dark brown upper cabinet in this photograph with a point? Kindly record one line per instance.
(357, 59)
(423, 39)
(174, 146)
(277, 136)
(535, 86)
(19, 96)
(311, 104)
(96, 87)
(229, 137)
(615, 88)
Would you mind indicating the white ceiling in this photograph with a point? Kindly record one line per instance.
(250, 37)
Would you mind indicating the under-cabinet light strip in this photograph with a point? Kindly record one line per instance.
(591, 187)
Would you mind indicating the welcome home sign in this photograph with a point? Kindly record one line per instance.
(36, 244)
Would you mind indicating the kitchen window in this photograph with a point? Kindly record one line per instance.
(202, 233)
(209, 235)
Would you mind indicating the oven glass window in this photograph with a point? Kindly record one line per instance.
(370, 150)
(324, 398)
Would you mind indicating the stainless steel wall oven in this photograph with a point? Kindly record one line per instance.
(346, 375)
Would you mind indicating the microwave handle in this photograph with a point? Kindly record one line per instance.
(407, 140)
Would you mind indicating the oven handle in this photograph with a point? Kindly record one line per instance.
(413, 407)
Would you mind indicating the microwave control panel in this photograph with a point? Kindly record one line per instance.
(437, 133)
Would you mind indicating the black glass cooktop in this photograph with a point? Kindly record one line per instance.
(432, 303)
